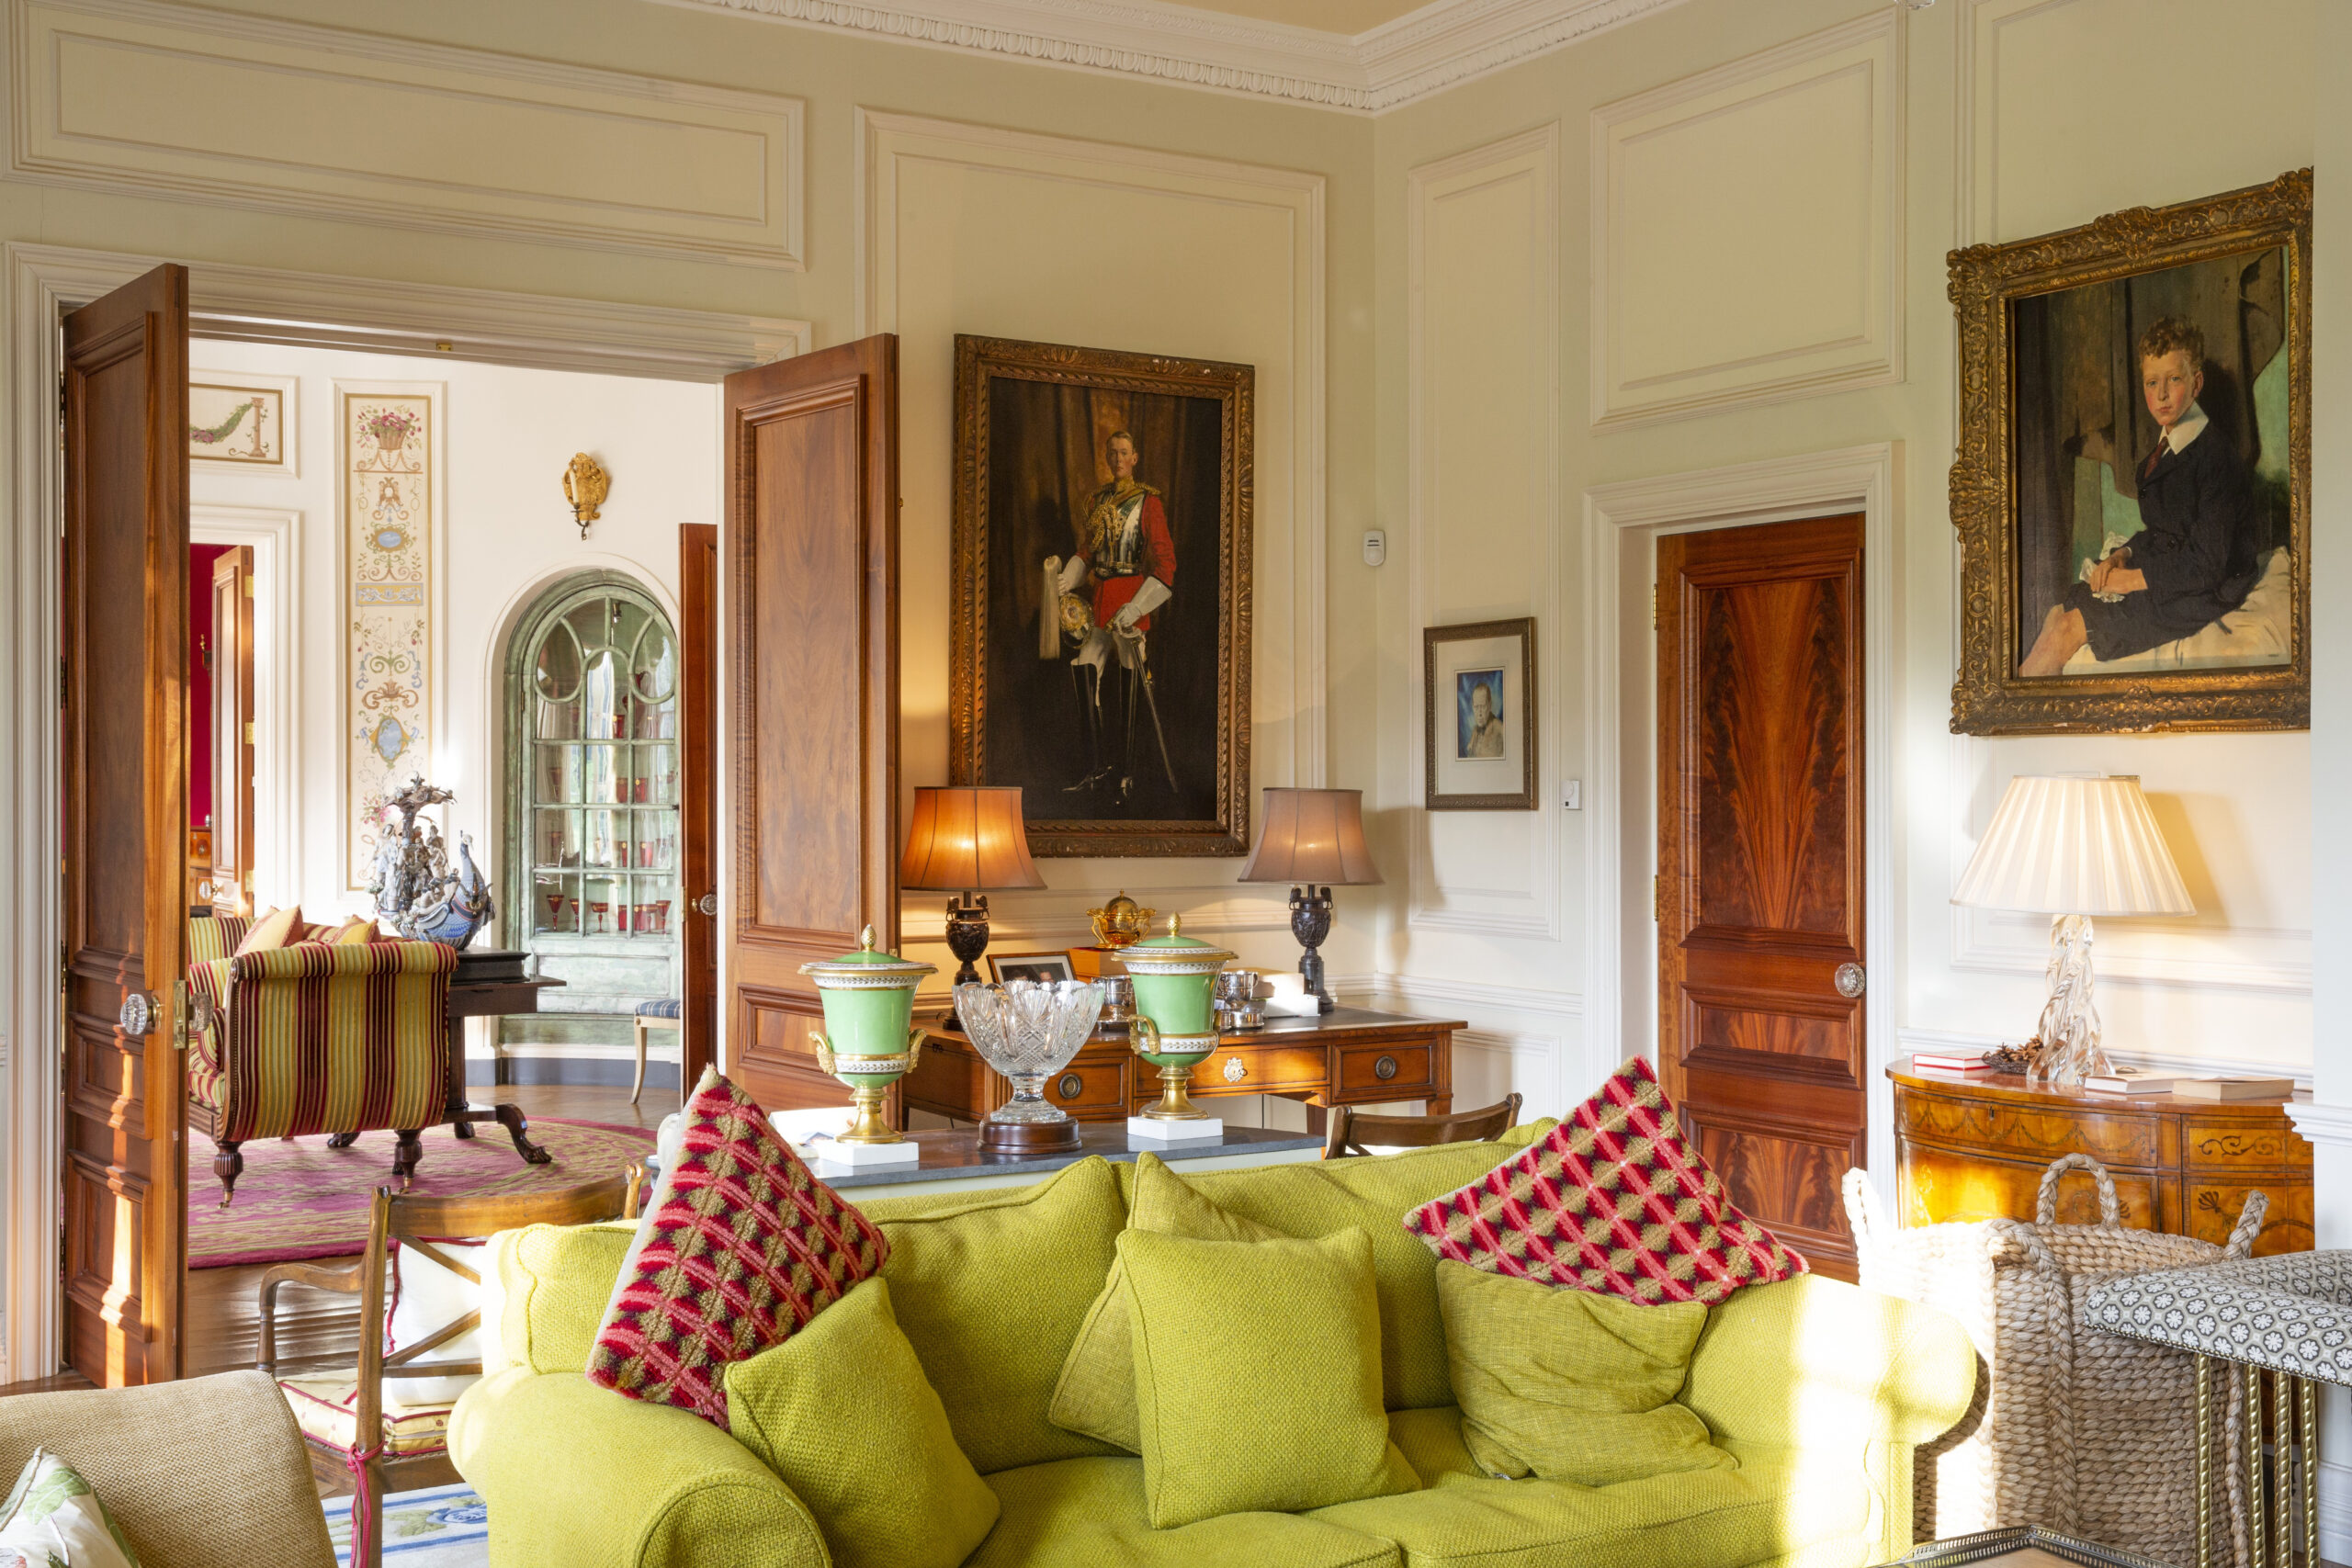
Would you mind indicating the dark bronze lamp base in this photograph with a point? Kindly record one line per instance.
(1029, 1137)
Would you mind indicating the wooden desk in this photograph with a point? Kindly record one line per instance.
(1351, 1056)
(1973, 1145)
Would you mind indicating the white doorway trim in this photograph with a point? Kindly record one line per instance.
(275, 535)
(1623, 523)
(243, 304)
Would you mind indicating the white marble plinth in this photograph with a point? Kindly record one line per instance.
(854, 1155)
(1164, 1132)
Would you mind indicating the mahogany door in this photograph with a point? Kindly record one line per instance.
(232, 731)
(124, 772)
(698, 798)
(812, 727)
(1759, 680)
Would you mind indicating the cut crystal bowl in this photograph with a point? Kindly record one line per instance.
(1026, 1028)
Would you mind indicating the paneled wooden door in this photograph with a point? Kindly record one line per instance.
(232, 731)
(697, 799)
(1760, 870)
(811, 743)
(124, 775)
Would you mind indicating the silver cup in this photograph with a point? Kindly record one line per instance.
(1118, 1001)
(1238, 1005)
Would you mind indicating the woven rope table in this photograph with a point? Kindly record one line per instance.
(2289, 1316)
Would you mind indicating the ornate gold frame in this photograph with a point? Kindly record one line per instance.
(979, 359)
(1989, 698)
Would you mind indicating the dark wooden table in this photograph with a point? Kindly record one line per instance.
(493, 997)
(1350, 1057)
(1974, 1145)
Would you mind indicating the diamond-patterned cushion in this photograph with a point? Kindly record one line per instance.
(738, 1248)
(1615, 1198)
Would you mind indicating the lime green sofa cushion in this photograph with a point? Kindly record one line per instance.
(990, 1289)
(842, 1413)
(1257, 1375)
(1372, 1195)
(544, 1288)
(582, 1477)
(1086, 1513)
(1096, 1391)
(1571, 1385)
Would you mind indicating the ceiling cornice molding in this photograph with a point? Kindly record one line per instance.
(1440, 45)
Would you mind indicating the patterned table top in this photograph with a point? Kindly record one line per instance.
(2291, 1312)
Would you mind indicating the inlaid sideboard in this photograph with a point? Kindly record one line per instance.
(1973, 1146)
(1350, 1057)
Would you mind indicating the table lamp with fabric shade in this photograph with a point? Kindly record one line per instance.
(1314, 839)
(2073, 847)
(963, 839)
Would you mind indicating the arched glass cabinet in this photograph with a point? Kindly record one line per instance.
(592, 833)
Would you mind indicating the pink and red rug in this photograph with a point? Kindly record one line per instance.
(304, 1199)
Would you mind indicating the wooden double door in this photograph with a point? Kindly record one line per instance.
(1761, 960)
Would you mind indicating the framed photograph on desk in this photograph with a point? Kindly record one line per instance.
(1051, 964)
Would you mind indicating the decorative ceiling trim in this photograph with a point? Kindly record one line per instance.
(1442, 44)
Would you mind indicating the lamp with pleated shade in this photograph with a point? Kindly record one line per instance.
(961, 838)
(1312, 836)
(2073, 847)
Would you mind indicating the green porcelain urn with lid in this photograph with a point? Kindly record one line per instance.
(870, 1041)
(1175, 1025)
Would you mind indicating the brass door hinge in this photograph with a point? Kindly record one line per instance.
(249, 585)
(63, 685)
(1657, 899)
(1658, 596)
(249, 732)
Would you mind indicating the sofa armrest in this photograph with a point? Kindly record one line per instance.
(1810, 1361)
(578, 1476)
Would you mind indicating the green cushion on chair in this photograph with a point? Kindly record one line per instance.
(1571, 1385)
(841, 1411)
(1257, 1375)
(1096, 1394)
(991, 1288)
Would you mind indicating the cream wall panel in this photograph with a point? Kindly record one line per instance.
(965, 229)
(206, 105)
(2095, 79)
(1747, 229)
(1483, 362)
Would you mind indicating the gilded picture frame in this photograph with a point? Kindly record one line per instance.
(1101, 594)
(2014, 587)
(1478, 725)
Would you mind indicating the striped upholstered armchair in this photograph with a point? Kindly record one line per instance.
(315, 1038)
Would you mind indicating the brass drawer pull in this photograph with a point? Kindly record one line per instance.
(1068, 1086)
(1384, 1069)
(1236, 1069)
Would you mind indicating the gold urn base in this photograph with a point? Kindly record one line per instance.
(1174, 1104)
(869, 1125)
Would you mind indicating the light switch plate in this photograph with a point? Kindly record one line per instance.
(1574, 799)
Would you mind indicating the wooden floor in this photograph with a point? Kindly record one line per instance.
(221, 1310)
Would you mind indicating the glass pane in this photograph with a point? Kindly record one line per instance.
(555, 903)
(599, 774)
(558, 673)
(651, 911)
(559, 777)
(607, 839)
(557, 840)
(653, 663)
(657, 839)
(559, 721)
(601, 696)
(601, 903)
(661, 765)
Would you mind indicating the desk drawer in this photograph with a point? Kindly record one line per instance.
(1992, 1127)
(1254, 1069)
(1090, 1090)
(2223, 1144)
(1384, 1072)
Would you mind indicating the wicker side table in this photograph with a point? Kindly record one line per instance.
(2289, 1316)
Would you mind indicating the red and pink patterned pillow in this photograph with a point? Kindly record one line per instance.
(1615, 1198)
(738, 1248)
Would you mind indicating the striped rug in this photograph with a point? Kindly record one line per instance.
(301, 1198)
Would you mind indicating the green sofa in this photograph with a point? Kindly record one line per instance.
(1821, 1391)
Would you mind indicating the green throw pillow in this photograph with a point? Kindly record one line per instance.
(1096, 1394)
(1257, 1375)
(53, 1517)
(843, 1413)
(1571, 1385)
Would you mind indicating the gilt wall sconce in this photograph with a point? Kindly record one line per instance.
(585, 486)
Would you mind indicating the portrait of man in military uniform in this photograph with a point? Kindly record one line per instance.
(1102, 569)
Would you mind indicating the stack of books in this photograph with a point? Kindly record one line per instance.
(2135, 1080)
(1952, 1062)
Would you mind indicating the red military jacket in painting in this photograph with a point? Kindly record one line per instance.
(1127, 541)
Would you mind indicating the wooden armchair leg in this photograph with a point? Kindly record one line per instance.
(637, 1085)
(228, 1165)
(406, 1151)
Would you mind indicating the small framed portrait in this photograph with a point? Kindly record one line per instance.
(1478, 730)
(241, 420)
(2133, 488)
(1051, 964)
